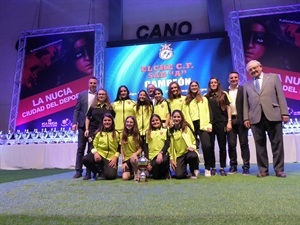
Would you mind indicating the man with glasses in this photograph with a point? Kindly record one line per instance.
(265, 109)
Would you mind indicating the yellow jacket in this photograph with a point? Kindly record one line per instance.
(106, 145)
(180, 141)
(123, 108)
(157, 142)
(204, 114)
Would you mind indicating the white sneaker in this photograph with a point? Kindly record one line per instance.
(196, 172)
(207, 173)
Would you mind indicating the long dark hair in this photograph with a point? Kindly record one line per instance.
(147, 103)
(184, 125)
(219, 92)
(118, 96)
(111, 129)
(151, 126)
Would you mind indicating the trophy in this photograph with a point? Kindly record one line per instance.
(9, 136)
(70, 135)
(35, 136)
(52, 135)
(43, 135)
(26, 135)
(142, 165)
(61, 135)
(18, 136)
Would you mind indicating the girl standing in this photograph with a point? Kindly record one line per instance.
(162, 107)
(197, 113)
(143, 111)
(94, 116)
(219, 102)
(175, 97)
(123, 107)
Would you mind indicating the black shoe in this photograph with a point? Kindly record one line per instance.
(232, 170)
(222, 172)
(167, 175)
(77, 175)
(246, 172)
(213, 172)
(87, 176)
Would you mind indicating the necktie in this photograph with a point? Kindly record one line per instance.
(256, 84)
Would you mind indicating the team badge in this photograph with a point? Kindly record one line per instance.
(166, 52)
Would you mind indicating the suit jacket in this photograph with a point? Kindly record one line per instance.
(81, 109)
(270, 100)
(239, 104)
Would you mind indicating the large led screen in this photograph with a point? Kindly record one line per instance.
(161, 63)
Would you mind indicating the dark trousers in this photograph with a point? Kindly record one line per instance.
(219, 130)
(143, 145)
(108, 172)
(196, 124)
(190, 158)
(91, 139)
(241, 132)
(82, 141)
(208, 154)
(160, 171)
(274, 131)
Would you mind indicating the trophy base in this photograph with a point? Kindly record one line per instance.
(143, 180)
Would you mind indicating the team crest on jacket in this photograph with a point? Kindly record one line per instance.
(166, 52)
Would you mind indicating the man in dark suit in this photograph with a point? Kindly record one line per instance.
(238, 129)
(84, 101)
(265, 108)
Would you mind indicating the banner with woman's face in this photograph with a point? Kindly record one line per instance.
(56, 67)
(271, 36)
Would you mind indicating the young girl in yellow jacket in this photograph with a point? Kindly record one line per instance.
(183, 147)
(123, 106)
(143, 111)
(106, 150)
(130, 148)
(162, 107)
(158, 142)
(197, 113)
(175, 97)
